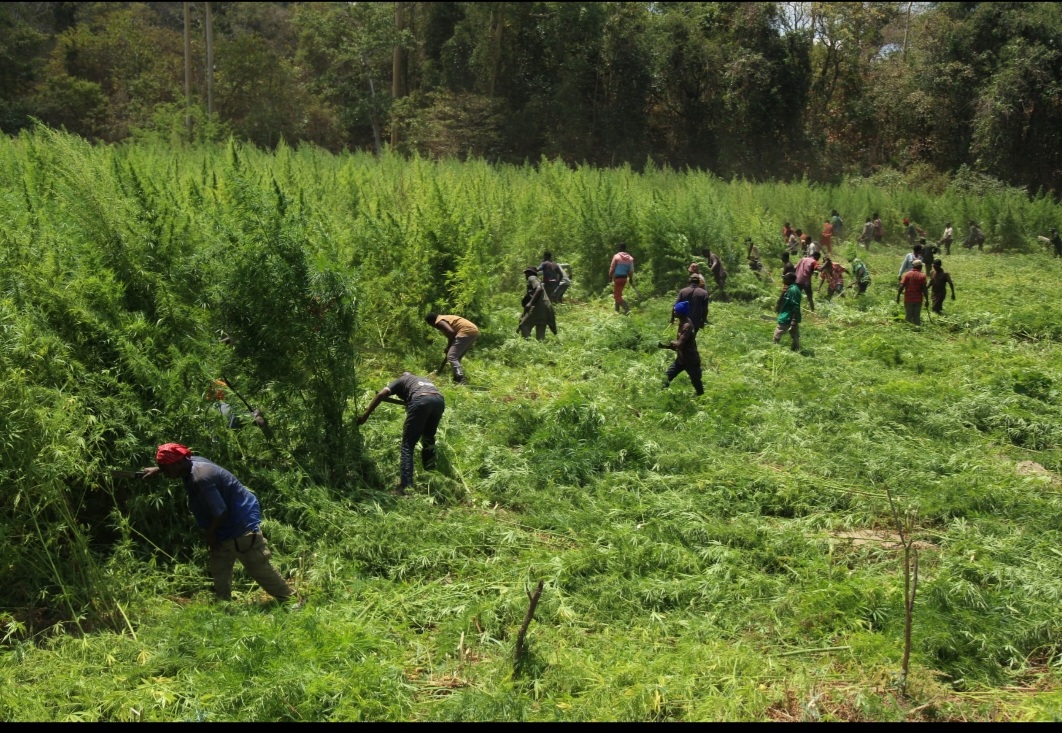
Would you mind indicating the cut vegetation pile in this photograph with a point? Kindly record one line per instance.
(733, 556)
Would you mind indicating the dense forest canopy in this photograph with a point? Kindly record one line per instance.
(754, 90)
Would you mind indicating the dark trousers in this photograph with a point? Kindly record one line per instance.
(811, 295)
(540, 331)
(422, 420)
(694, 370)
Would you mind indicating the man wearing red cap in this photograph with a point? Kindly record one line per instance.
(229, 515)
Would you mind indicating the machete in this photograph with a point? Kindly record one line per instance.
(260, 420)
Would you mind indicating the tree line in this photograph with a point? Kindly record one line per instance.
(754, 90)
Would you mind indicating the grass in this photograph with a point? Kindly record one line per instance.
(728, 557)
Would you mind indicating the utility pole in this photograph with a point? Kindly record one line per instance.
(187, 69)
(210, 64)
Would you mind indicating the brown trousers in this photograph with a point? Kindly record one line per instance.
(253, 553)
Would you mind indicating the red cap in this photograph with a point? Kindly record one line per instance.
(170, 453)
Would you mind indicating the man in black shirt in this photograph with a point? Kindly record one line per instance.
(424, 409)
(697, 297)
(687, 359)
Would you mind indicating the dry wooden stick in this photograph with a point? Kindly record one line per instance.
(533, 597)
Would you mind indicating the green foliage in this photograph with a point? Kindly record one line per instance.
(724, 557)
(760, 91)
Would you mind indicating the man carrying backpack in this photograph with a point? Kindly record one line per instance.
(552, 276)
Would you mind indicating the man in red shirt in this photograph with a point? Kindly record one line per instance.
(805, 270)
(827, 237)
(915, 293)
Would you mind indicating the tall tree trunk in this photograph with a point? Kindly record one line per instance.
(398, 69)
(498, 16)
(906, 29)
(209, 63)
(187, 69)
(373, 117)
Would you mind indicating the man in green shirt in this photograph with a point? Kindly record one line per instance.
(860, 272)
(789, 312)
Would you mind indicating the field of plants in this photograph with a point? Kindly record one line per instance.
(742, 555)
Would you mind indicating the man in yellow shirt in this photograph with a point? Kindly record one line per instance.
(461, 333)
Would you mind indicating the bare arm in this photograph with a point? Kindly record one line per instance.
(446, 328)
(385, 392)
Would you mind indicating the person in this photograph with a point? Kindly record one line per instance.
(838, 225)
(424, 410)
(551, 274)
(461, 333)
(915, 293)
(715, 266)
(229, 515)
(805, 269)
(947, 238)
(695, 271)
(832, 275)
(789, 312)
(687, 358)
(805, 240)
(620, 272)
(879, 229)
(975, 238)
(908, 260)
(564, 284)
(1054, 240)
(929, 253)
(912, 231)
(860, 273)
(812, 249)
(867, 234)
(234, 418)
(787, 232)
(753, 255)
(787, 266)
(938, 285)
(696, 295)
(538, 309)
(827, 236)
(792, 245)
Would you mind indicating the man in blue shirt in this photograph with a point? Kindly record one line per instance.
(230, 517)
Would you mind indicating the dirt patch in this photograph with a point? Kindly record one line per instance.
(877, 538)
(1032, 468)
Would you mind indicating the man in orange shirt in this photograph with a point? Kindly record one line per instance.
(915, 292)
(827, 237)
(461, 333)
